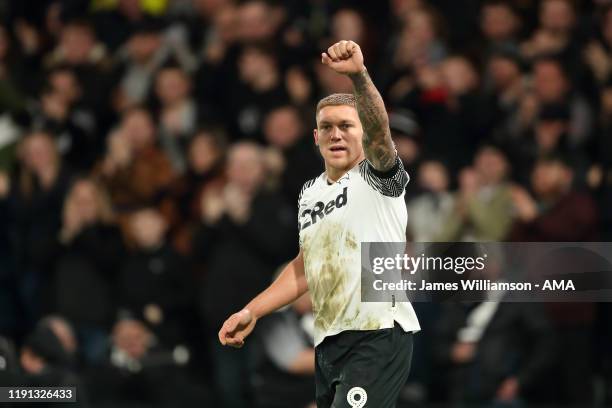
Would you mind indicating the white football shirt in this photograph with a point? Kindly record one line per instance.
(364, 205)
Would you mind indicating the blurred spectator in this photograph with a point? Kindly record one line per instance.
(21, 59)
(557, 32)
(153, 283)
(300, 87)
(198, 17)
(493, 353)
(558, 213)
(550, 137)
(34, 197)
(506, 88)
(116, 25)
(450, 110)
(420, 44)
(79, 49)
(417, 46)
(74, 125)
(348, 24)
(285, 132)
(141, 371)
(552, 86)
(89, 255)
(135, 171)
(401, 9)
(215, 44)
(205, 161)
(407, 137)
(483, 204)
(260, 87)
(242, 224)
(259, 21)
(285, 377)
(177, 113)
(136, 63)
(429, 211)
(500, 25)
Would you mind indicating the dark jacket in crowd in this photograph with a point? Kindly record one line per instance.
(240, 260)
(517, 342)
(85, 274)
(35, 219)
(159, 277)
(453, 129)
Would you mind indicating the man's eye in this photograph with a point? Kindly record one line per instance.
(345, 126)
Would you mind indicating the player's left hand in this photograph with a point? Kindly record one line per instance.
(236, 329)
(344, 57)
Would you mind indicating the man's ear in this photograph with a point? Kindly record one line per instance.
(316, 136)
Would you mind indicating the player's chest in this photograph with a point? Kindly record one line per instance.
(332, 204)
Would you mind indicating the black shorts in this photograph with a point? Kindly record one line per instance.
(362, 368)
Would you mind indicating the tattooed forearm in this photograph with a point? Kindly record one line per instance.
(377, 143)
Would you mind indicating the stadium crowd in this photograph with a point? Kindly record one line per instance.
(151, 155)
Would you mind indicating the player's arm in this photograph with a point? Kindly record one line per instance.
(290, 285)
(346, 58)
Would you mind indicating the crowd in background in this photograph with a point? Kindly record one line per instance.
(152, 151)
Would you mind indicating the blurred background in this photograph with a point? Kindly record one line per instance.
(152, 151)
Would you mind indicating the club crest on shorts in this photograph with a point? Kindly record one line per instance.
(357, 397)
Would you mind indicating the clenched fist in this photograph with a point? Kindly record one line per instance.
(235, 329)
(344, 57)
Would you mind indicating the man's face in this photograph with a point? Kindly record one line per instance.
(549, 81)
(498, 22)
(491, 165)
(339, 135)
(503, 72)
(549, 179)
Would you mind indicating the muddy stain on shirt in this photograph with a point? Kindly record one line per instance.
(327, 255)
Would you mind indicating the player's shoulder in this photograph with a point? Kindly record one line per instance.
(308, 185)
(389, 183)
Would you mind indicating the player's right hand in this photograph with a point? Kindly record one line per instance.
(237, 328)
(344, 57)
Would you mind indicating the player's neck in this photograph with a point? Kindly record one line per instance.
(334, 174)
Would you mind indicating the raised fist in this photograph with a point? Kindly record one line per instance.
(344, 57)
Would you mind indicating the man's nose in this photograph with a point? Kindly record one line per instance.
(336, 134)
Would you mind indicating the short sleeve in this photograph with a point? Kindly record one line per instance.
(306, 185)
(390, 183)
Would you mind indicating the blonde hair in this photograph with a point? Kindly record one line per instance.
(337, 99)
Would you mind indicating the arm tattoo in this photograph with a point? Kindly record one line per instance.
(377, 143)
